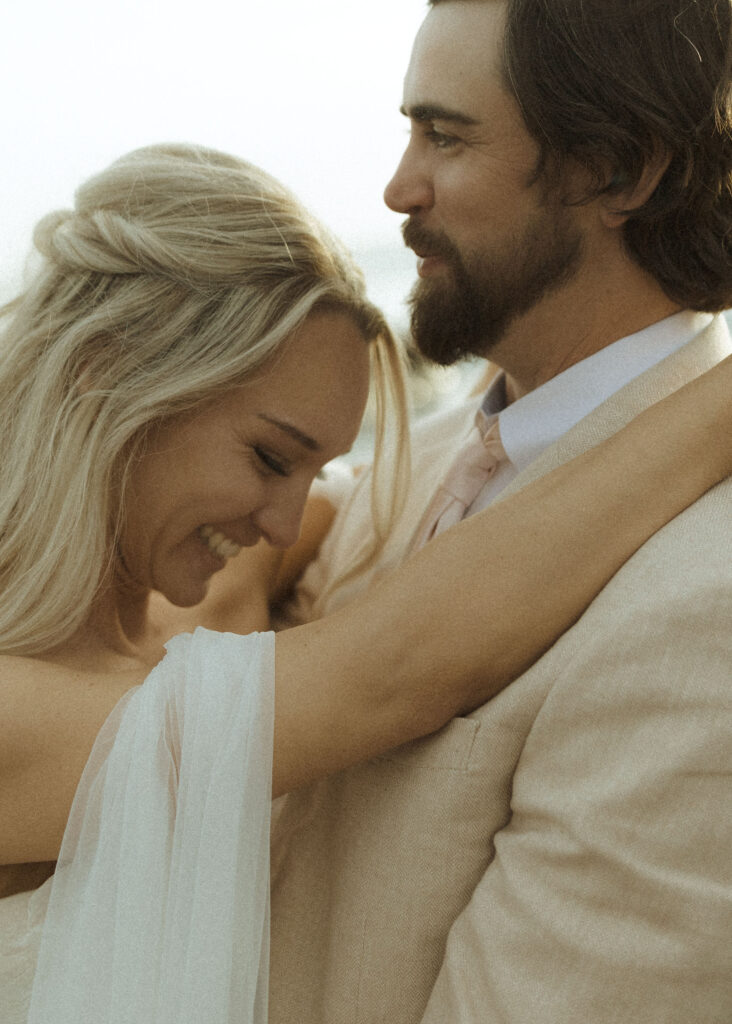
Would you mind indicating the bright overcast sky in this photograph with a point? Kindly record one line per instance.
(309, 89)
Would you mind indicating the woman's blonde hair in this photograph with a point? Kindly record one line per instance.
(178, 272)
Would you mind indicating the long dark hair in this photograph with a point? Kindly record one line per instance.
(611, 83)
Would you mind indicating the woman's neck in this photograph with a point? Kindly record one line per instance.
(116, 632)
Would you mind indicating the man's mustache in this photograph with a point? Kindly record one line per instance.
(428, 243)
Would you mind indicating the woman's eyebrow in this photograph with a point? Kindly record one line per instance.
(304, 439)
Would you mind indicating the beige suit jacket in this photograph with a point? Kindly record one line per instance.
(564, 854)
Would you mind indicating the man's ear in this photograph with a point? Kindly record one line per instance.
(619, 203)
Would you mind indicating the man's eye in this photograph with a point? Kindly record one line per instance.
(271, 462)
(439, 139)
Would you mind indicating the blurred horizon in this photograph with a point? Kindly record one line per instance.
(309, 92)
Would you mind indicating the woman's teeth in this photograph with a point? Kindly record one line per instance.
(219, 543)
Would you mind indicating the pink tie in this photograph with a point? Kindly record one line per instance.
(474, 465)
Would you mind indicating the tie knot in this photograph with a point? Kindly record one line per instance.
(491, 436)
(476, 463)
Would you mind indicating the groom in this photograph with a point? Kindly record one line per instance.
(562, 855)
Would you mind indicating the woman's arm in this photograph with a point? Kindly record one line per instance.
(480, 603)
(442, 635)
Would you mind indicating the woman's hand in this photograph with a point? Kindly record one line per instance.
(237, 601)
(240, 596)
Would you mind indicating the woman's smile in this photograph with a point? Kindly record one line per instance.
(217, 542)
(239, 470)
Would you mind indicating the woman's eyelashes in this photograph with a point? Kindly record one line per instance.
(272, 462)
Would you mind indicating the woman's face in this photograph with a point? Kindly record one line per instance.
(240, 470)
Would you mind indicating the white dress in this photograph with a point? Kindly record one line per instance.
(159, 908)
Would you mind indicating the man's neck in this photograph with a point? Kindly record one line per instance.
(595, 309)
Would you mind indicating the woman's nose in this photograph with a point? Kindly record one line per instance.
(280, 521)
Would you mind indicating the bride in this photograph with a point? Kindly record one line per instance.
(191, 353)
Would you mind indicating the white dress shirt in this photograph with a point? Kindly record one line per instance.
(538, 419)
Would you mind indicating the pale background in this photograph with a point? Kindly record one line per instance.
(309, 89)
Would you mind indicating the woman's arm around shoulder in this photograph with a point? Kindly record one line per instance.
(483, 601)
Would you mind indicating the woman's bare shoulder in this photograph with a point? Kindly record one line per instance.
(38, 693)
(31, 690)
(50, 715)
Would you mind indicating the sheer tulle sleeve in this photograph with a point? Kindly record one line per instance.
(159, 909)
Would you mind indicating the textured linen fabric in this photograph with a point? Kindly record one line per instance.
(562, 855)
(170, 820)
(543, 416)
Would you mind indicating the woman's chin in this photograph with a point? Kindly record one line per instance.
(185, 598)
(186, 584)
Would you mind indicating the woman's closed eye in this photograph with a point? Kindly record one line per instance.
(272, 462)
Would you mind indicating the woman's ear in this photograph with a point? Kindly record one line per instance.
(619, 202)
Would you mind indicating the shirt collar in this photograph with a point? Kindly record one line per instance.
(538, 419)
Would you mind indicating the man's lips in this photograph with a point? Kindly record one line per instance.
(428, 263)
(432, 256)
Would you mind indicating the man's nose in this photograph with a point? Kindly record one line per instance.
(410, 189)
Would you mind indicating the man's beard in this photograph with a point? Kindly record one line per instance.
(469, 308)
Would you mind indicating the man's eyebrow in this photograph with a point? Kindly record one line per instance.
(422, 112)
(304, 439)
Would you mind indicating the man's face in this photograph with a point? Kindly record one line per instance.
(490, 242)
